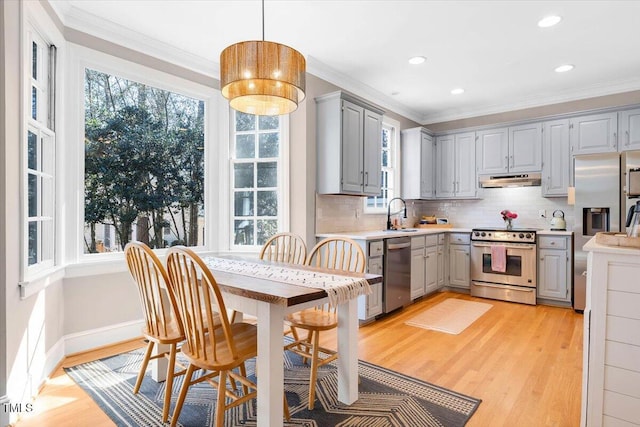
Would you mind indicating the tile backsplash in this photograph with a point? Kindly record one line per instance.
(345, 213)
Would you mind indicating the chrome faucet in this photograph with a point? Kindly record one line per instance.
(389, 211)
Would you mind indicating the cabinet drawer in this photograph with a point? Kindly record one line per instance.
(376, 248)
(459, 238)
(552, 242)
(431, 240)
(375, 265)
(441, 239)
(417, 242)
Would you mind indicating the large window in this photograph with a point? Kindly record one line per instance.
(256, 178)
(143, 165)
(389, 184)
(40, 154)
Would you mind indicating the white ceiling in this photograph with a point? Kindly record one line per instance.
(493, 49)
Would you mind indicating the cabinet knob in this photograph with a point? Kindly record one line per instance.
(553, 243)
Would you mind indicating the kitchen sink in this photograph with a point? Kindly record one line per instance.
(402, 230)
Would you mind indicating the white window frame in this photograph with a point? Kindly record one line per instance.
(282, 184)
(394, 151)
(81, 58)
(37, 27)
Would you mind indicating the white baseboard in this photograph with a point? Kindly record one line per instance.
(87, 340)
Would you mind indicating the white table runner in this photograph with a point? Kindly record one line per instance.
(339, 288)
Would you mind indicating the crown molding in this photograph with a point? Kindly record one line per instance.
(93, 25)
(592, 91)
(322, 70)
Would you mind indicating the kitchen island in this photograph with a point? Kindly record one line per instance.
(611, 349)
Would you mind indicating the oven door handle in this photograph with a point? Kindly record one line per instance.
(527, 246)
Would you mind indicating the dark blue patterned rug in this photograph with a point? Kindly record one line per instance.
(386, 398)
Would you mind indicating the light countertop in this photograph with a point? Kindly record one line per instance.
(381, 234)
(593, 246)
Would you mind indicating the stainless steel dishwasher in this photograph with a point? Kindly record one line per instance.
(397, 273)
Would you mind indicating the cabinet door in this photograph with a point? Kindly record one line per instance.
(466, 182)
(372, 152)
(445, 172)
(556, 168)
(525, 148)
(352, 147)
(441, 265)
(552, 275)
(417, 272)
(411, 152)
(374, 301)
(629, 122)
(427, 167)
(431, 269)
(596, 133)
(492, 151)
(459, 266)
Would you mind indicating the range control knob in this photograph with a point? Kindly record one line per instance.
(476, 233)
(528, 235)
(521, 235)
(484, 234)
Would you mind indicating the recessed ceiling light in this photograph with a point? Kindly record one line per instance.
(457, 91)
(564, 68)
(417, 60)
(549, 21)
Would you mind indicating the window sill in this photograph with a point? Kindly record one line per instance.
(37, 283)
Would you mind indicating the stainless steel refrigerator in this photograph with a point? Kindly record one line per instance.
(602, 200)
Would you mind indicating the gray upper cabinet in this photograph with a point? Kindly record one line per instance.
(418, 164)
(594, 133)
(629, 125)
(349, 144)
(456, 166)
(514, 149)
(556, 168)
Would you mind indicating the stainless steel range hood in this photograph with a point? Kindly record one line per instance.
(510, 180)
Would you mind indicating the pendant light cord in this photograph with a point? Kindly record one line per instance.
(262, 20)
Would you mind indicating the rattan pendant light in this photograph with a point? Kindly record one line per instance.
(261, 77)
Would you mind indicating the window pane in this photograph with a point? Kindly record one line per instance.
(267, 203)
(144, 165)
(33, 243)
(243, 203)
(245, 146)
(243, 231)
(245, 122)
(243, 175)
(266, 229)
(34, 103)
(33, 194)
(267, 174)
(46, 251)
(385, 138)
(32, 150)
(385, 158)
(268, 122)
(34, 60)
(269, 144)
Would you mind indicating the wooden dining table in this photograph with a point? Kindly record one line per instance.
(270, 300)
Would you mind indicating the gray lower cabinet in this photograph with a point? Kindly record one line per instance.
(459, 260)
(554, 268)
(425, 260)
(349, 145)
(441, 261)
(370, 306)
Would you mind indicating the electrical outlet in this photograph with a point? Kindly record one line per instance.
(542, 213)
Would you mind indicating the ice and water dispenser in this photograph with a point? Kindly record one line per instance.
(595, 220)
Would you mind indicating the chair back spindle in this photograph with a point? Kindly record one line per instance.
(284, 247)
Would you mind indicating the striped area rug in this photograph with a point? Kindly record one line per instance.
(386, 398)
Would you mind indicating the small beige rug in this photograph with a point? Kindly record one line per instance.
(451, 315)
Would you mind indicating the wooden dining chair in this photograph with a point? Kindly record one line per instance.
(340, 254)
(218, 351)
(285, 247)
(162, 324)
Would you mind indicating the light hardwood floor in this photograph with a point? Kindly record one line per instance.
(524, 362)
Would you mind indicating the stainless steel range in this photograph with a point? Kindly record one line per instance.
(503, 264)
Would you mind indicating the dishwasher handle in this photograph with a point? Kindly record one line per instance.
(395, 246)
